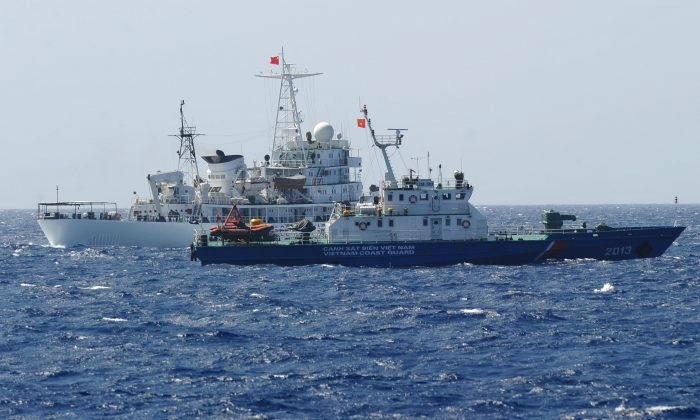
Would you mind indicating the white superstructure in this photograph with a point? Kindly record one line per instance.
(302, 177)
(415, 209)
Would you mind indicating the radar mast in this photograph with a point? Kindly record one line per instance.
(187, 155)
(288, 120)
(382, 142)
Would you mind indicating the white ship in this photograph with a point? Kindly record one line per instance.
(302, 177)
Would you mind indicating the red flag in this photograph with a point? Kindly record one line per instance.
(361, 122)
(275, 60)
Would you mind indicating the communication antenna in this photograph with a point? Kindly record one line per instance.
(419, 158)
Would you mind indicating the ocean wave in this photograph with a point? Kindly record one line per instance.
(132, 332)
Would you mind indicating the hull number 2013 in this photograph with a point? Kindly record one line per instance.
(618, 250)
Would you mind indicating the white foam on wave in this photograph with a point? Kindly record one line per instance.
(95, 288)
(104, 318)
(650, 411)
(27, 285)
(607, 288)
(474, 312)
(661, 409)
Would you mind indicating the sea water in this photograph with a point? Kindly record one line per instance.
(137, 332)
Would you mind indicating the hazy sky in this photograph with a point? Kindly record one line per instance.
(538, 102)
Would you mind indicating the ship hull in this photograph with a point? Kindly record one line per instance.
(615, 245)
(83, 232)
(390, 254)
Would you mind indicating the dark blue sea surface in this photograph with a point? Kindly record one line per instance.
(136, 332)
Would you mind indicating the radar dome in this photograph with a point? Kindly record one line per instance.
(323, 132)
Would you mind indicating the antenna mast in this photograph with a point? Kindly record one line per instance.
(418, 159)
(288, 121)
(187, 154)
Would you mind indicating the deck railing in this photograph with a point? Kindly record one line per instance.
(103, 210)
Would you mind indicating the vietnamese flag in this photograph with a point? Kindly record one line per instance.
(361, 122)
(275, 60)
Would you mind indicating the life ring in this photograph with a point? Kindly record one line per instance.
(466, 224)
(412, 199)
(362, 225)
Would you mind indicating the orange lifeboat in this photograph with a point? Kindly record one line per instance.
(234, 229)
